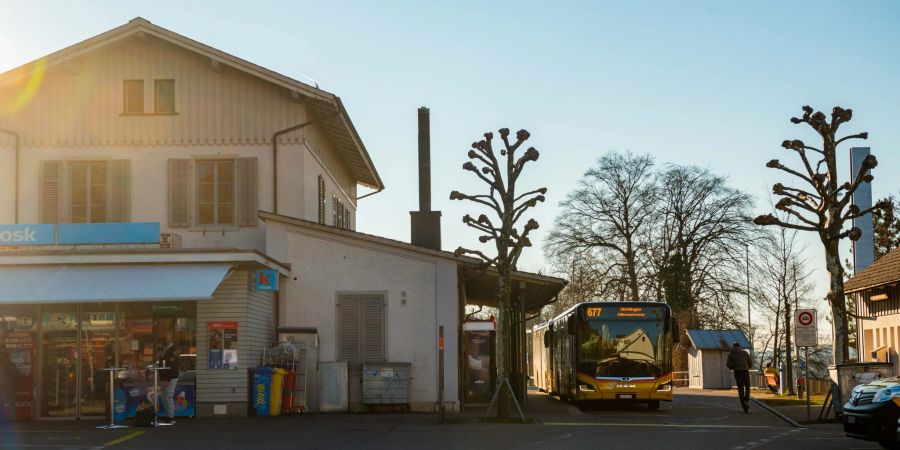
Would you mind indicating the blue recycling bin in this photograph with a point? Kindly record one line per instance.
(262, 387)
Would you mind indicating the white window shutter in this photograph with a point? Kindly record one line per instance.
(49, 200)
(247, 189)
(120, 190)
(179, 204)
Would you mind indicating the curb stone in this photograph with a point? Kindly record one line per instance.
(781, 416)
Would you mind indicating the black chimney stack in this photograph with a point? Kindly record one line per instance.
(424, 160)
(425, 223)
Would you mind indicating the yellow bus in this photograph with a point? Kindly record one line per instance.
(609, 351)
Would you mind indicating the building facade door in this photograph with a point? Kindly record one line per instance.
(361, 337)
(60, 359)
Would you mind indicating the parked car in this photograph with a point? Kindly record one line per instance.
(873, 410)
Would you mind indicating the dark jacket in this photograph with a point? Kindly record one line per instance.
(9, 376)
(169, 358)
(739, 360)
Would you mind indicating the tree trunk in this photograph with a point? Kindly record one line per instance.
(837, 301)
(789, 362)
(503, 343)
(632, 271)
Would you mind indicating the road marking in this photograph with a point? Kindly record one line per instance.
(123, 438)
(761, 442)
(649, 425)
(9, 445)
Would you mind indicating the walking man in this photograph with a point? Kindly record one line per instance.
(169, 358)
(739, 361)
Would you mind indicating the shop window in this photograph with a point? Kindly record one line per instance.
(215, 192)
(165, 96)
(143, 331)
(361, 332)
(133, 97)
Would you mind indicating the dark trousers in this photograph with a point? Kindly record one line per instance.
(742, 379)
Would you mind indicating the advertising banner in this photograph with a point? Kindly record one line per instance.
(135, 395)
(223, 345)
(20, 345)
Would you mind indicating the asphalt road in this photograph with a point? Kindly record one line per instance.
(693, 420)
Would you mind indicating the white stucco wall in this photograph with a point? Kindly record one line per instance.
(325, 265)
(298, 171)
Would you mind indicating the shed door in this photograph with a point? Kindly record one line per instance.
(361, 336)
(712, 370)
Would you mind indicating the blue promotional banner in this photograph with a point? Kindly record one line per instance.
(131, 398)
(32, 234)
(108, 233)
(266, 280)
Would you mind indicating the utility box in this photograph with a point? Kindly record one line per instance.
(386, 383)
(333, 392)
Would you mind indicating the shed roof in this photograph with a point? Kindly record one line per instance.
(883, 271)
(717, 339)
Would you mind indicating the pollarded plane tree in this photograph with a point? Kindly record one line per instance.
(501, 173)
(823, 205)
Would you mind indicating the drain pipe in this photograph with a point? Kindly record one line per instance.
(16, 165)
(370, 193)
(275, 152)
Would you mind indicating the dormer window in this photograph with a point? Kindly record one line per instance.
(134, 96)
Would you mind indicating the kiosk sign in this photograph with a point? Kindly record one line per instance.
(266, 280)
(33, 234)
(805, 330)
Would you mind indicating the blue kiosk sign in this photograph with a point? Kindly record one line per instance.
(16, 235)
(79, 234)
(266, 280)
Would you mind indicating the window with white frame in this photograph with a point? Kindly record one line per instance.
(215, 192)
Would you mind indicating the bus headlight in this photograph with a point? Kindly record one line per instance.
(667, 386)
(585, 388)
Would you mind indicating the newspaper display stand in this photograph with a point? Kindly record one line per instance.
(291, 357)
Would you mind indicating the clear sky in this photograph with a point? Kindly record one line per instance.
(709, 83)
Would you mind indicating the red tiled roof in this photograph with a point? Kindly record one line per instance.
(885, 270)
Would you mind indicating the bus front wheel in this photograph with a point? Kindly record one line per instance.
(653, 405)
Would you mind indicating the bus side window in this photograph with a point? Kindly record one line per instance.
(548, 335)
(570, 324)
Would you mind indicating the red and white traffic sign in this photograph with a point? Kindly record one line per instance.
(805, 329)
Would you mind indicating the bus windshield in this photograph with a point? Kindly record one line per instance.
(622, 348)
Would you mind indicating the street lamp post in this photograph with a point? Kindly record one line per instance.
(749, 322)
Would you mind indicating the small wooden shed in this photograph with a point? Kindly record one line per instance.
(708, 355)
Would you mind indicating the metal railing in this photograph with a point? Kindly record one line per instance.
(680, 379)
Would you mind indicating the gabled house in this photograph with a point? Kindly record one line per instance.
(153, 187)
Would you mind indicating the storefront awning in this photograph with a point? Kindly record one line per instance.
(109, 283)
